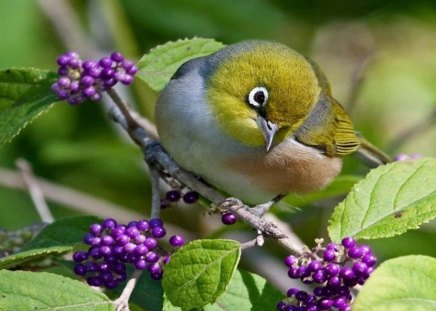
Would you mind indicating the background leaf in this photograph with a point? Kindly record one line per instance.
(157, 67)
(54, 239)
(402, 284)
(22, 290)
(199, 272)
(390, 200)
(24, 95)
(32, 254)
(64, 232)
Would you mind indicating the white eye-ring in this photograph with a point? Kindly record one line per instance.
(258, 97)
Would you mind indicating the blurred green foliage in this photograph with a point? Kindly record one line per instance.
(391, 42)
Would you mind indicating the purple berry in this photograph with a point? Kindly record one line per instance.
(369, 259)
(334, 281)
(325, 303)
(173, 195)
(141, 249)
(290, 260)
(347, 273)
(332, 269)
(132, 232)
(340, 302)
(228, 218)
(315, 266)
(191, 197)
(292, 291)
(127, 65)
(80, 256)
(107, 73)
(158, 232)
(355, 252)
(117, 57)
(348, 242)
(301, 295)
(122, 239)
(329, 255)
(89, 91)
(109, 223)
(303, 272)
(64, 82)
(155, 222)
(365, 249)
(176, 241)
(281, 306)
(150, 243)
(360, 268)
(86, 81)
(63, 60)
(319, 276)
(94, 281)
(106, 240)
(292, 273)
(141, 264)
(143, 225)
(151, 257)
(80, 269)
(106, 62)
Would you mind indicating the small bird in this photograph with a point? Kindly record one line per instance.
(257, 120)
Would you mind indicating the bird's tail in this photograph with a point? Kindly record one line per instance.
(371, 155)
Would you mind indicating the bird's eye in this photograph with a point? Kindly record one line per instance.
(258, 97)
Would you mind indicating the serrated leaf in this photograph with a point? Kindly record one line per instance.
(402, 284)
(22, 290)
(33, 254)
(390, 200)
(158, 66)
(64, 232)
(24, 95)
(200, 272)
(247, 292)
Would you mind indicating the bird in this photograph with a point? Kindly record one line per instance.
(257, 120)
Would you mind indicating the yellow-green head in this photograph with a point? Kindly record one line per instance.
(256, 86)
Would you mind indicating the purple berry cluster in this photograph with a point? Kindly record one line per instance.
(175, 195)
(81, 80)
(113, 246)
(335, 269)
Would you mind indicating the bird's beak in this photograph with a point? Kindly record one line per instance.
(268, 130)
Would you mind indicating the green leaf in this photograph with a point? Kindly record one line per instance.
(390, 200)
(33, 254)
(22, 290)
(24, 95)
(402, 284)
(63, 232)
(157, 67)
(200, 272)
(247, 292)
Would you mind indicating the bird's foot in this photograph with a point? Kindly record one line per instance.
(260, 209)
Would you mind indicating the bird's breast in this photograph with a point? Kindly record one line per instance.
(289, 167)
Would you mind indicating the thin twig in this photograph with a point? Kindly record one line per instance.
(34, 190)
(122, 302)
